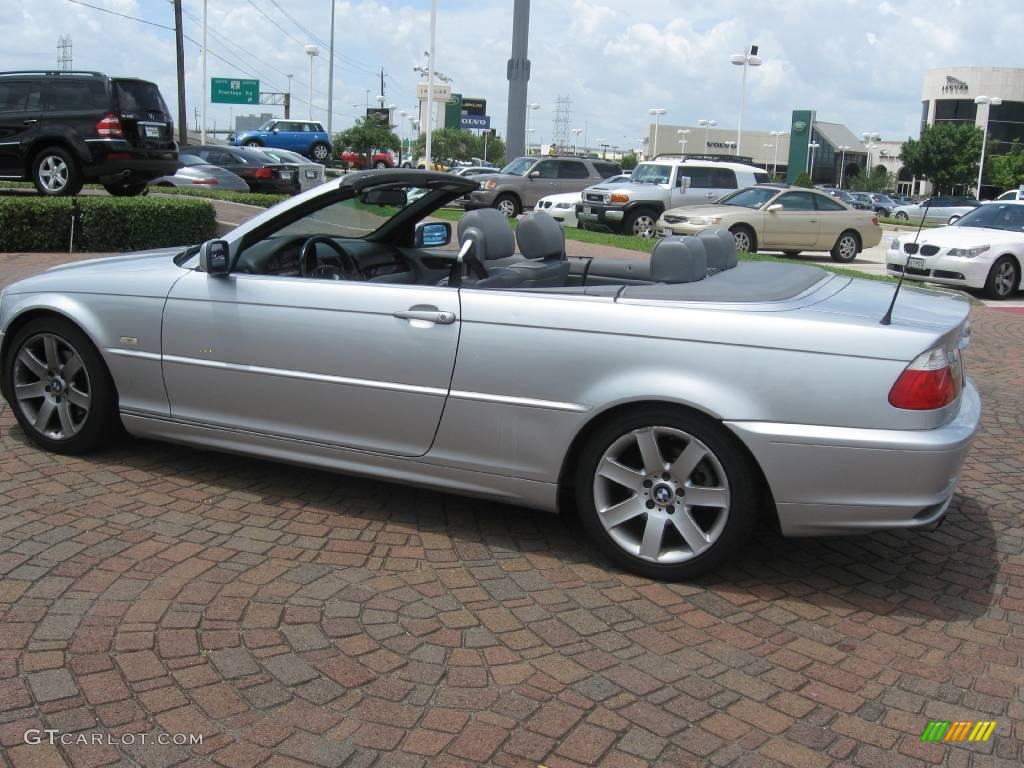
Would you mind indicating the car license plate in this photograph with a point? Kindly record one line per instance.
(916, 263)
(286, 175)
(310, 174)
(152, 132)
(665, 232)
(586, 209)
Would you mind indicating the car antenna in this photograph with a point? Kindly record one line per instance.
(887, 318)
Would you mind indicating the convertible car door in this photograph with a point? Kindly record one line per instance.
(345, 363)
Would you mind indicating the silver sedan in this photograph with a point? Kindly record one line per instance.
(936, 210)
(674, 403)
(199, 174)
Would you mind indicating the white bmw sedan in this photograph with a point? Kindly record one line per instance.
(562, 207)
(983, 250)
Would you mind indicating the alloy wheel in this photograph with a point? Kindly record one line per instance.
(507, 208)
(1005, 278)
(847, 248)
(643, 226)
(742, 240)
(51, 386)
(661, 494)
(320, 153)
(53, 173)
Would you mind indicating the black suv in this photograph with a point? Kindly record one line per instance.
(61, 129)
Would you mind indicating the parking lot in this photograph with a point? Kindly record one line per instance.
(294, 617)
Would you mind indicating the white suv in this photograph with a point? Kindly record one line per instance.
(657, 185)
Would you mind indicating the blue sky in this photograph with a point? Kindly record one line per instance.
(859, 63)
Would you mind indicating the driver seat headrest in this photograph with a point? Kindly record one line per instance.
(490, 232)
(540, 237)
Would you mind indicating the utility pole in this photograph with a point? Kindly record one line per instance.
(330, 79)
(428, 161)
(382, 84)
(518, 75)
(179, 45)
(202, 128)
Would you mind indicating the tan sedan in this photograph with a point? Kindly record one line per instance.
(788, 219)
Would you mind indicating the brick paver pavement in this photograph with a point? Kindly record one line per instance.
(298, 618)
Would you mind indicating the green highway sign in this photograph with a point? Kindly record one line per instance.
(228, 90)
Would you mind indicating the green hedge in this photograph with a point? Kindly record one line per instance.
(108, 224)
(262, 200)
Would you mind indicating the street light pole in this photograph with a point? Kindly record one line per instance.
(576, 140)
(330, 77)
(775, 161)
(312, 51)
(428, 161)
(748, 58)
(657, 112)
(812, 146)
(529, 108)
(707, 124)
(990, 101)
(202, 129)
(682, 132)
(842, 164)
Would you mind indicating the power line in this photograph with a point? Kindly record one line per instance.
(123, 15)
(343, 59)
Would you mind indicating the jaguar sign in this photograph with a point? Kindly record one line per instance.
(954, 85)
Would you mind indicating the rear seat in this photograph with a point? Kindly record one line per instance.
(674, 260)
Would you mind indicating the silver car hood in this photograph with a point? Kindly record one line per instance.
(145, 273)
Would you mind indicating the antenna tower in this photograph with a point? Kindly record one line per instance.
(64, 52)
(563, 118)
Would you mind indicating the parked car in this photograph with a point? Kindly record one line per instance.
(656, 185)
(197, 172)
(472, 170)
(562, 208)
(902, 199)
(983, 250)
(523, 182)
(664, 404)
(1013, 194)
(352, 159)
(936, 210)
(61, 129)
(261, 173)
(862, 201)
(881, 204)
(308, 173)
(307, 137)
(789, 219)
(839, 194)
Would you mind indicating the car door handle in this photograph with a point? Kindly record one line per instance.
(30, 122)
(429, 314)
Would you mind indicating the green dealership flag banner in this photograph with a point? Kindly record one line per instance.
(799, 138)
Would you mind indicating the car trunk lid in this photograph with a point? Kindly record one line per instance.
(145, 120)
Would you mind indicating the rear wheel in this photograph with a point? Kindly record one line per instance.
(380, 164)
(666, 493)
(846, 247)
(253, 143)
(1003, 279)
(745, 238)
(55, 173)
(320, 152)
(640, 223)
(62, 393)
(508, 205)
(126, 188)
(902, 216)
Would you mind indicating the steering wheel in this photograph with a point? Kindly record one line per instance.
(311, 265)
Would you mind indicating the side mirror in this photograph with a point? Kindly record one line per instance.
(276, 130)
(432, 234)
(775, 207)
(214, 257)
(534, 174)
(684, 183)
(954, 218)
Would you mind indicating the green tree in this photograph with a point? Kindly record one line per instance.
(451, 145)
(629, 161)
(1006, 171)
(946, 154)
(878, 180)
(803, 180)
(366, 137)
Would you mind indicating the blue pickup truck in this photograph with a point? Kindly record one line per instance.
(307, 137)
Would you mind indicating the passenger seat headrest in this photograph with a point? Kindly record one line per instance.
(721, 248)
(678, 260)
(540, 237)
(490, 232)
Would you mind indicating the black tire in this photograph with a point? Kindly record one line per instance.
(253, 143)
(509, 205)
(126, 188)
(380, 164)
(846, 248)
(902, 216)
(742, 480)
(791, 254)
(640, 223)
(1003, 279)
(100, 422)
(749, 244)
(56, 173)
(319, 152)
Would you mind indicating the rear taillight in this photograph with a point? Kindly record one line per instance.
(211, 182)
(933, 380)
(109, 126)
(874, 220)
(264, 173)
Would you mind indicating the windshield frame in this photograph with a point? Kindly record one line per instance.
(770, 191)
(639, 177)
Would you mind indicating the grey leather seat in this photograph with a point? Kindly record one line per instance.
(542, 245)
(720, 246)
(494, 245)
(678, 260)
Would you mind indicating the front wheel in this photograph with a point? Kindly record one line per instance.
(380, 164)
(125, 188)
(745, 238)
(56, 173)
(902, 216)
(508, 205)
(666, 493)
(321, 152)
(640, 224)
(62, 393)
(253, 143)
(846, 248)
(1003, 279)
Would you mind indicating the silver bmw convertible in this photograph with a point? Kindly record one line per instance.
(673, 402)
